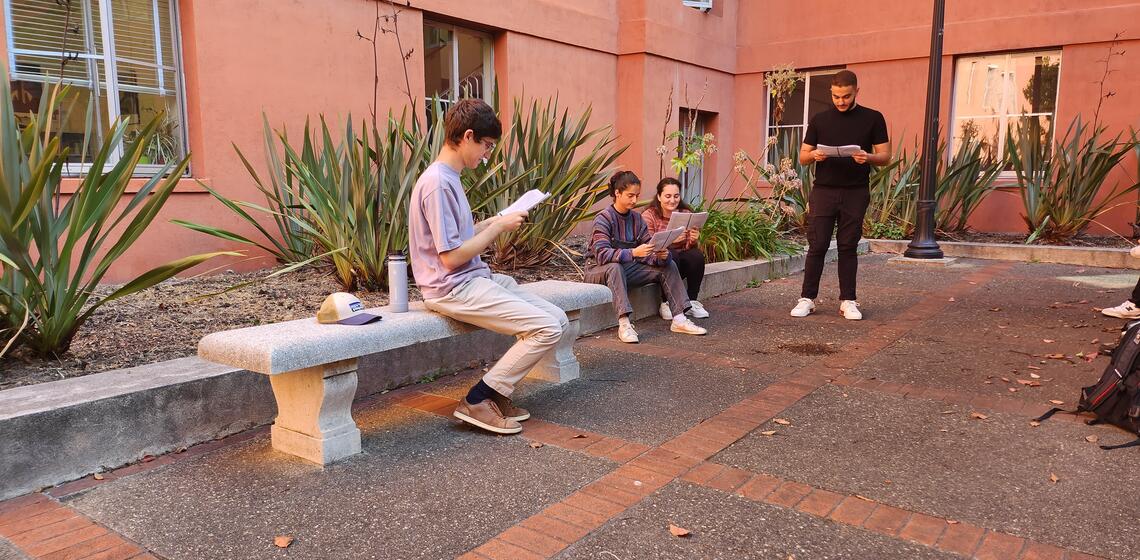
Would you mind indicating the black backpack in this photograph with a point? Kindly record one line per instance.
(1115, 399)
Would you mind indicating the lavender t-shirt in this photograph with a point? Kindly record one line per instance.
(440, 220)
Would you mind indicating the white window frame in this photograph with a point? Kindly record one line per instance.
(109, 82)
(693, 178)
(1006, 81)
(770, 130)
(488, 63)
(702, 5)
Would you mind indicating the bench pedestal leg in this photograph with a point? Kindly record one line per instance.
(314, 412)
(561, 365)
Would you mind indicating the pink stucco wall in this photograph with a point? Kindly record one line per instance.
(293, 59)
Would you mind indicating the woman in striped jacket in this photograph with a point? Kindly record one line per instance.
(625, 259)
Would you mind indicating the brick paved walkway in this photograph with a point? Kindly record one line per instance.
(619, 473)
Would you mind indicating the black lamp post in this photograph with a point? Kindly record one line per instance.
(923, 246)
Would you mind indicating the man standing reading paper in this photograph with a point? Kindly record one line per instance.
(841, 192)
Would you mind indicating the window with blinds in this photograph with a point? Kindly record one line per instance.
(120, 59)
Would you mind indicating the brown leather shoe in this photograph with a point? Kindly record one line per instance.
(486, 415)
(509, 410)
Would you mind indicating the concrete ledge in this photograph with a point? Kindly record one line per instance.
(1080, 256)
(63, 430)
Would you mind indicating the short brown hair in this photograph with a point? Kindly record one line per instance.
(474, 115)
(844, 78)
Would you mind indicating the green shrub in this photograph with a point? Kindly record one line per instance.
(1061, 185)
(893, 195)
(546, 149)
(963, 183)
(886, 230)
(56, 251)
(742, 232)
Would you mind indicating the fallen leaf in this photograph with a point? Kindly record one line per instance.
(1006, 379)
(951, 299)
(1035, 376)
(98, 476)
(887, 481)
(995, 309)
(988, 382)
(1053, 478)
(768, 433)
(1003, 326)
(1057, 402)
(1012, 389)
(1094, 341)
(864, 498)
(283, 541)
(951, 522)
(1033, 367)
(1091, 439)
(1055, 356)
(678, 531)
(536, 444)
(947, 412)
(944, 430)
(1029, 383)
(978, 415)
(579, 436)
(1082, 302)
(1048, 340)
(782, 422)
(1034, 423)
(1090, 357)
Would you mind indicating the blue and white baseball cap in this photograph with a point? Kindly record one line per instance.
(345, 309)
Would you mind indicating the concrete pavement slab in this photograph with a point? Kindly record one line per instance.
(423, 488)
(937, 459)
(631, 396)
(9, 551)
(731, 527)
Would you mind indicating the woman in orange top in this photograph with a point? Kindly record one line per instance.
(689, 258)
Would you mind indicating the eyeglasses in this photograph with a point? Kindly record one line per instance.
(487, 145)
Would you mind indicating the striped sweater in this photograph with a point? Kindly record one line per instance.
(616, 235)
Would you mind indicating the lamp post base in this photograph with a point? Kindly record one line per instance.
(923, 250)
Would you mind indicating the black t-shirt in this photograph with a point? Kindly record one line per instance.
(857, 125)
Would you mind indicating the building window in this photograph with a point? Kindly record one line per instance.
(121, 59)
(812, 95)
(457, 64)
(996, 95)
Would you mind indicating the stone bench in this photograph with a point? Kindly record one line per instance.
(312, 367)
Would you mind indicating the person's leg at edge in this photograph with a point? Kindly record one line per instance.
(638, 274)
(492, 305)
(612, 275)
(691, 266)
(852, 210)
(822, 214)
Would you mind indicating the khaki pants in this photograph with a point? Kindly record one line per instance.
(498, 304)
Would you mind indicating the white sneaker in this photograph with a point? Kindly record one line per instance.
(663, 311)
(686, 326)
(697, 310)
(849, 309)
(627, 334)
(803, 307)
(1126, 310)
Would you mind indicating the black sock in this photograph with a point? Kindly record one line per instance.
(480, 392)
